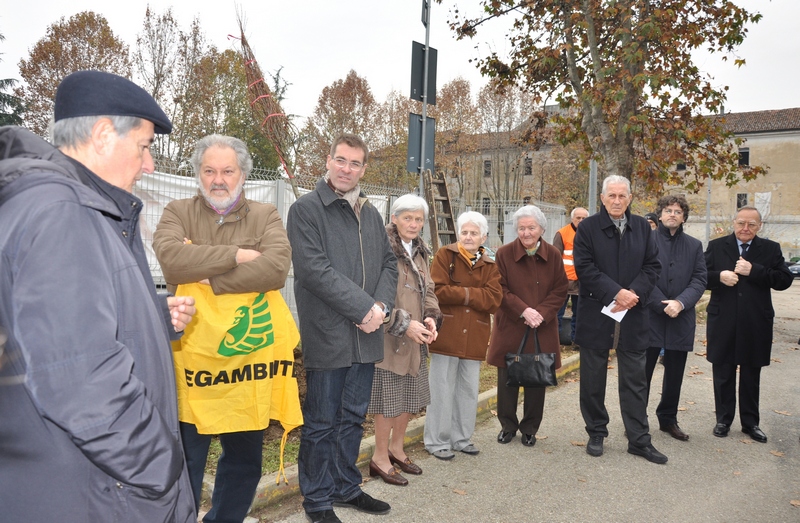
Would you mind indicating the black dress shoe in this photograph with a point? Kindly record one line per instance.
(755, 433)
(365, 503)
(323, 516)
(649, 453)
(392, 477)
(721, 430)
(529, 440)
(675, 431)
(505, 437)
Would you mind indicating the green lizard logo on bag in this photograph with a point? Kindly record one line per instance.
(252, 330)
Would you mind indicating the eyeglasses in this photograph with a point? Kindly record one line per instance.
(341, 163)
(677, 212)
(743, 224)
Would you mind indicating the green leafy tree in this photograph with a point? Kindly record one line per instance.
(625, 71)
(84, 41)
(11, 107)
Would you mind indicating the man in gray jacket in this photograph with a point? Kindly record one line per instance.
(345, 283)
(89, 428)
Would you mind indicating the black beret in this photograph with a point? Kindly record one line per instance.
(95, 93)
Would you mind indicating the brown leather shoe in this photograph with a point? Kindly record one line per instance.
(392, 477)
(675, 431)
(407, 466)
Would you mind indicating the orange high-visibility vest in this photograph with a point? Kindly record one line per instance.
(568, 238)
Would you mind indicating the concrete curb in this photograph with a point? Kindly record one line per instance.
(272, 489)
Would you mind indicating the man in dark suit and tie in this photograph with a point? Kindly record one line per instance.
(742, 270)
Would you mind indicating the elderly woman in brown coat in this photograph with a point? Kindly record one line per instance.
(534, 288)
(468, 288)
(400, 386)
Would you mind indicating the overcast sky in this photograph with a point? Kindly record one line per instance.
(318, 41)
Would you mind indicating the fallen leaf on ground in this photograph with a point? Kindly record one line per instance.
(782, 412)
(795, 502)
(541, 437)
(584, 481)
(690, 402)
(737, 472)
(701, 354)
(460, 492)
(610, 367)
(578, 443)
(777, 453)
(776, 360)
(681, 409)
(494, 412)
(746, 441)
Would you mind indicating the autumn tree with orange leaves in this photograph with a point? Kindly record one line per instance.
(84, 41)
(624, 69)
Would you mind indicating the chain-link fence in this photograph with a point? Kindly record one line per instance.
(173, 182)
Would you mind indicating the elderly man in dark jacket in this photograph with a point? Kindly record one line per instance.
(89, 428)
(617, 265)
(672, 314)
(742, 270)
(345, 285)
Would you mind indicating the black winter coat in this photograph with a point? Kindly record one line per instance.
(739, 328)
(606, 263)
(683, 278)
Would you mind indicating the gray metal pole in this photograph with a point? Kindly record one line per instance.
(592, 186)
(426, 13)
(708, 214)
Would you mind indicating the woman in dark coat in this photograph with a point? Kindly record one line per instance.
(534, 288)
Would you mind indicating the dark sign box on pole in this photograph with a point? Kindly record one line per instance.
(418, 72)
(415, 142)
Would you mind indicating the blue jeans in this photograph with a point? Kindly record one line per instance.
(333, 415)
(238, 471)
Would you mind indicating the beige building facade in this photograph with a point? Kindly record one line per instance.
(772, 140)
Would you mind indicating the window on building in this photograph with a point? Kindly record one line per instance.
(680, 167)
(741, 200)
(744, 156)
(528, 167)
(486, 206)
(487, 168)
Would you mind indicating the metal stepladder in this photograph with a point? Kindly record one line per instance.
(440, 216)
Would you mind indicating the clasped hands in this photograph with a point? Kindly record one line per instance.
(625, 300)
(731, 278)
(673, 308)
(532, 317)
(422, 332)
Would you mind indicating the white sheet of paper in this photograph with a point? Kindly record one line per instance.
(616, 316)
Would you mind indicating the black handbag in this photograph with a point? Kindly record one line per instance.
(531, 370)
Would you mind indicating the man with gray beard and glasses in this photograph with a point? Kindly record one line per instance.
(234, 246)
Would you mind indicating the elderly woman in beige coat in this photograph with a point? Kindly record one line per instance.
(400, 386)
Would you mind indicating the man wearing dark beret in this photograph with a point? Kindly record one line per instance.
(87, 386)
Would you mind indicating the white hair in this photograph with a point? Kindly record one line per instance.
(616, 179)
(474, 218)
(530, 211)
(409, 203)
